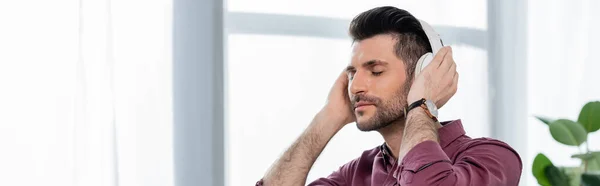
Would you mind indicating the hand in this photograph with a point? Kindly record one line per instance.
(438, 81)
(338, 106)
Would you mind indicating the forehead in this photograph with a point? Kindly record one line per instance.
(379, 47)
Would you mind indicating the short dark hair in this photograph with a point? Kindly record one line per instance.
(411, 43)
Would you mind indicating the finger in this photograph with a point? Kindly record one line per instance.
(451, 81)
(451, 90)
(439, 57)
(452, 69)
(447, 60)
(343, 78)
(448, 76)
(455, 82)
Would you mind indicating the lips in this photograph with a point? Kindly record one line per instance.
(362, 103)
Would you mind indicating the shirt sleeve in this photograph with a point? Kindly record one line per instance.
(486, 162)
(340, 177)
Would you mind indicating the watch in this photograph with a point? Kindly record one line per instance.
(427, 105)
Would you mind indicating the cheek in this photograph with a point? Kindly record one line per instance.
(387, 87)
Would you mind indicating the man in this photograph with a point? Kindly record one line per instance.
(375, 91)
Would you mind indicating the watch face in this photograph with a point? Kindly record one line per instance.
(432, 108)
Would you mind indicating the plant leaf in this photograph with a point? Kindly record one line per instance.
(555, 176)
(539, 166)
(592, 159)
(573, 173)
(590, 179)
(568, 132)
(544, 119)
(593, 164)
(585, 156)
(589, 117)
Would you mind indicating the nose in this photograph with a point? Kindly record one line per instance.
(358, 84)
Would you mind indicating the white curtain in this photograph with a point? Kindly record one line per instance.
(563, 72)
(85, 94)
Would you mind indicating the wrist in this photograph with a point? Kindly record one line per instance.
(419, 115)
(411, 100)
(331, 118)
(416, 96)
(427, 106)
(416, 112)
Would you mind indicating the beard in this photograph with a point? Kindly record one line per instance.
(387, 111)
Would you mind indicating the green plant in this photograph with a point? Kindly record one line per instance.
(572, 133)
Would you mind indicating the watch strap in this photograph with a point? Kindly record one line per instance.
(424, 106)
(415, 104)
(419, 103)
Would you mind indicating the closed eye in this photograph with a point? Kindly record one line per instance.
(377, 73)
(351, 75)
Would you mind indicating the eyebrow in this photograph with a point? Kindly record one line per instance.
(367, 64)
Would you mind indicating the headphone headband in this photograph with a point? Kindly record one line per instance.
(432, 36)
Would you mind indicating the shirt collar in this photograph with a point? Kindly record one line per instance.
(385, 151)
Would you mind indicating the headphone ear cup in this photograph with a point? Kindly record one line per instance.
(423, 61)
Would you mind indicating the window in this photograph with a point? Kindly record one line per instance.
(562, 73)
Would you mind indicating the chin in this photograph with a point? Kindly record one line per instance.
(367, 123)
(370, 121)
(364, 119)
(364, 128)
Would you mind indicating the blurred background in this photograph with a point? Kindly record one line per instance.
(211, 92)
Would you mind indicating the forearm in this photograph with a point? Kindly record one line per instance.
(419, 127)
(293, 166)
(485, 162)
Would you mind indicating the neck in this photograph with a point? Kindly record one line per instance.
(392, 134)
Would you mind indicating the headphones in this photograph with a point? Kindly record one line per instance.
(436, 44)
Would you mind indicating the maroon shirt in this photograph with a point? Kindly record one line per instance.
(456, 160)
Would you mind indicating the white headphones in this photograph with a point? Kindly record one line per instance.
(436, 44)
